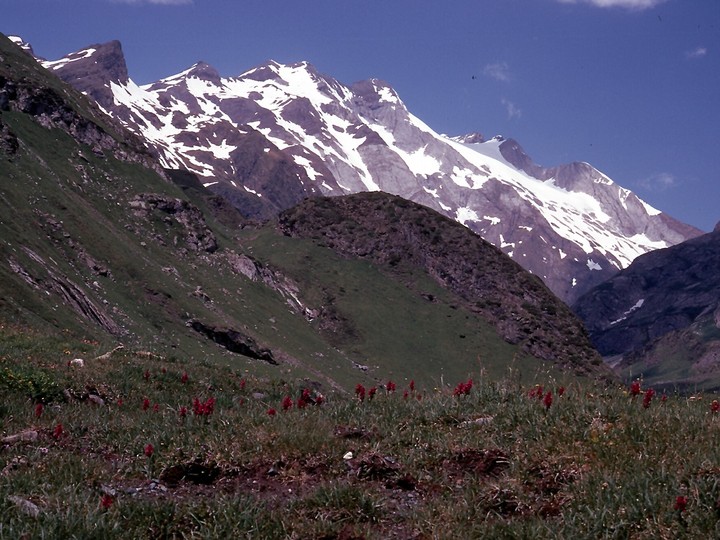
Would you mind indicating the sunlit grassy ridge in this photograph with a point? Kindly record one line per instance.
(500, 461)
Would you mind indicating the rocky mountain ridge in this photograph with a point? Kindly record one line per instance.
(571, 225)
(661, 315)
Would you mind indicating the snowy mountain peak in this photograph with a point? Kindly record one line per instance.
(571, 224)
(105, 61)
(93, 69)
(276, 71)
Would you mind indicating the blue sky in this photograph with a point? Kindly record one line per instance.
(630, 86)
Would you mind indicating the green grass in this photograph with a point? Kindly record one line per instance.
(59, 186)
(492, 464)
(392, 329)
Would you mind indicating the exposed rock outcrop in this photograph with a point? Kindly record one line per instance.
(51, 281)
(8, 140)
(196, 235)
(233, 340)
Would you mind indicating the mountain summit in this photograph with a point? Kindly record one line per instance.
(571, 225)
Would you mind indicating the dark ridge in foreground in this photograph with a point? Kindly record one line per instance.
(398, 235)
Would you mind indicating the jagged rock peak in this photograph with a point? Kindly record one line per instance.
(469, 138)
(103, 62)
(515, 154)
(717, 227)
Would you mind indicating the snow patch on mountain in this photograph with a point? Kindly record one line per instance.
(635, 307)
(463, 215)
(79, 55)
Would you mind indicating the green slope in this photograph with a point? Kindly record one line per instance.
(96, 241)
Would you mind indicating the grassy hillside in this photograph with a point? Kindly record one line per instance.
(386, 326)
(97, 242)
(134, 446)
(402, 237)
(138, 272)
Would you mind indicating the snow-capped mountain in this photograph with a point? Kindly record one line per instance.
(278, 133)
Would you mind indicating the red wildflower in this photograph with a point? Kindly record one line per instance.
(547, 400)
(164, 370)
(463, 388)
(663, 398)
(412, 385)
(635, 388)
(360, 392)
(271, 412)
(372, 392)
(405, 394)
(209, 405)
(149, 450)
(39, 410)
(715, 406)
(106, 502)
(119, 402)
(58, 431)
(146, 404)
(184, 378)
(183, 411)
(301, 403)
(680, 503)
(319, 399)
(649, 393)
(146, 375)
(390, 386)
(561, 391)
(242, 384)
(156, 407)
(204, 409)
(287, 403)
(305, 395)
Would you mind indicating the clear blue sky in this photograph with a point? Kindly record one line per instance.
(630, 86)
